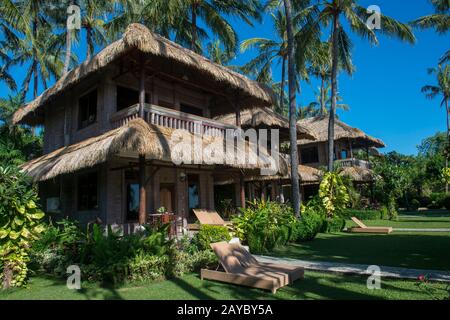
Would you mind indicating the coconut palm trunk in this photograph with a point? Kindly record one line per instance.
(334, 88)
(68, 46)
(90, 45)
(295, 183)
(283, 82)
(448, 141)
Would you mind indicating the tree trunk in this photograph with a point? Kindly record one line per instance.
(7, 276)
(68, 46)
(142, 168)
(334, 88)
(283, 79)
(90, 46)
(296, 197)
(448, 141)
(323, 103)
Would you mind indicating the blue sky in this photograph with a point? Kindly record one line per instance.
(384, 93)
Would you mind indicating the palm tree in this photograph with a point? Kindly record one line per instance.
(5, 75)
(93, 17)
(216, 54)
(295, 183)
(213, 13)
(440, 20)
(330, 13)
(270, 51)
(442, 88)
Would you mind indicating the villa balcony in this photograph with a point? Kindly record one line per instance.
(351, 162)
(171, 118)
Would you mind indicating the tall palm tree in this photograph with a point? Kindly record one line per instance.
(332, 13)
(270, 51)
(442, 88)
(5, 75)
(217, 54)
(93, 18)
(213, 13)
(295, 183)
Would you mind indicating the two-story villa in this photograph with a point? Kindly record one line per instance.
(348, 142)
(109, 125)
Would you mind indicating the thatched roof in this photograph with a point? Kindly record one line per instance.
(136, 137)
(319, 126)
(358, 174)
(265, 118)
(139, 37)
(308, 175)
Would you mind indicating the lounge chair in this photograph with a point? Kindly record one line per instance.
(242, 268)
(209, 217)
(362, 228)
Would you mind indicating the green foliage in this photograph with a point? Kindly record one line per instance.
(309, 225)
(264, 225)
(20, 224)
(211, 234)
(333, 193)
(363, 214)
(333, 224)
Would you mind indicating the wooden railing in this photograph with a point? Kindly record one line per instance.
(170, 118)
(351, 162)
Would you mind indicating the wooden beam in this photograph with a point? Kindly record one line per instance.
(142, 191)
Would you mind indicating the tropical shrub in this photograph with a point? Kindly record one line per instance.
(187, 262)
(333, 224)
(264, 225)
(210, 234)
(333, 193)
(20, 224)
(363, 214)
(413, 205)
(308, 226)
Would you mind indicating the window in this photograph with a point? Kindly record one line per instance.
(127, 97)
(87, 108)
(344, 154)
(309, 155)
(193, 193)
(191, 110)
(87, 191)
(132, 196)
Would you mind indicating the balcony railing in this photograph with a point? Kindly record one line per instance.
(354, 163)
(170, 118)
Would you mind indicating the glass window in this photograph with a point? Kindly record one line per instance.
(193, 192)
(132, 201)
(309, 155)
(87, 108)
(87, 191)
(344, 154)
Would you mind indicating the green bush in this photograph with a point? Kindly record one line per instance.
(210, 234)
(333, 225)
(20, 225)
(413, 205)
(265, 225)
(186, 262)
(308, 226)
(362, 214)
(446, 202)
(436, 200)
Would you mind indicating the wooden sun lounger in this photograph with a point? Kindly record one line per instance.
(209, 217)
(362, 228)
(241, 268)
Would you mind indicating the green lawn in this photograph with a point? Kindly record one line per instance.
(399, 249)
(315, 286)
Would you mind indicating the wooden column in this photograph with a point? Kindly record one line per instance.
(241, 175)
(351, 148)
(142, 168)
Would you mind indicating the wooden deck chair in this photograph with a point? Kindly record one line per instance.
(362, 228)
(241, 268)
(209, 217)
